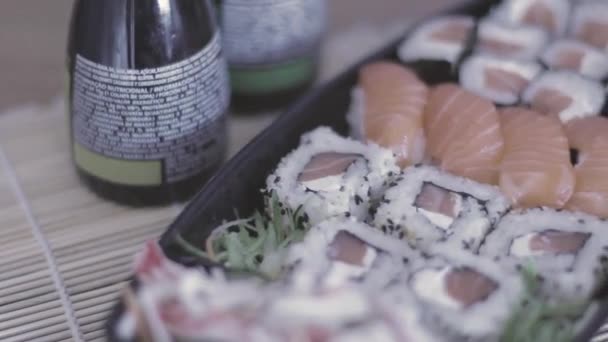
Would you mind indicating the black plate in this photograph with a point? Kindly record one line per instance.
(237, 184)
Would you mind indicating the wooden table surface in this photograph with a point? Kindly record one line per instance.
(33, 39)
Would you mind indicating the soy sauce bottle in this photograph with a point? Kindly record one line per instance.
(148, 94)
(272, 47)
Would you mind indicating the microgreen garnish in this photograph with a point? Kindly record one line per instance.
(538, 320)
(256, 244)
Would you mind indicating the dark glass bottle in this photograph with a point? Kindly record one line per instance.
(272, 48)
(148, 94)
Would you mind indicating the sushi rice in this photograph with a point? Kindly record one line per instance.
(421, 45)
(522, 42)
(566, 94)
(348, 192)
(395, 252)
(497, 79)
(343, 250)
(467, 297)
(577, 56)
(456, 211)
(569, 250)
(551, 15)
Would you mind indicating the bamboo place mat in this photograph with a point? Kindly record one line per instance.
(64, 253)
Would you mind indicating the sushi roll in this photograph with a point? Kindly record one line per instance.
(196, 306)
(345, 314)
(499, 80)
(550, 15)
(569, 251)
(437, 46)
(328, 175)
(511, 42)
(464, 296)
(425, 206)
(589, 24)
(341, 250)
(387, 107)
(565, 94)
(573, 55)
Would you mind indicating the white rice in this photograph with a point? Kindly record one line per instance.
(472, 76)
(594, 64)
(531, 38)
(419, 46)
(567, 276)
(481, 206)
(349, 194)
(587, 95)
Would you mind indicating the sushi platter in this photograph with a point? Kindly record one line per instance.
(450, 187)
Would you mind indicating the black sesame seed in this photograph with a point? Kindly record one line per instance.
(390, 221)
(406, 260)
(390, 173)
(283, 212)
(401, 235)
(358, 200)
(276, 180)
(383, 228)
(347, 214)
(342, 188)
(259, 258)
(365, 178)
(581, 221)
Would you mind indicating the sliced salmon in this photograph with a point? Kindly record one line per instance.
(463, 133)
(393, 108)
(535, 170)
(589, 136)
(581, 132)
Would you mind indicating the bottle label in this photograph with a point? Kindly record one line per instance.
(271, 44)
(150, 126)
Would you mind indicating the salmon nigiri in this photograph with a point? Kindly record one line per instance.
(393, 100)
(536, 169)
(589, 137)
(463, 133)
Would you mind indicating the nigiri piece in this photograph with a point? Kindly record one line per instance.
(589, 137)
(582, 132)
(535, 169)
(463, 133)
(388, 108)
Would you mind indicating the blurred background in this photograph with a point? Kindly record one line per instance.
(33, 39)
